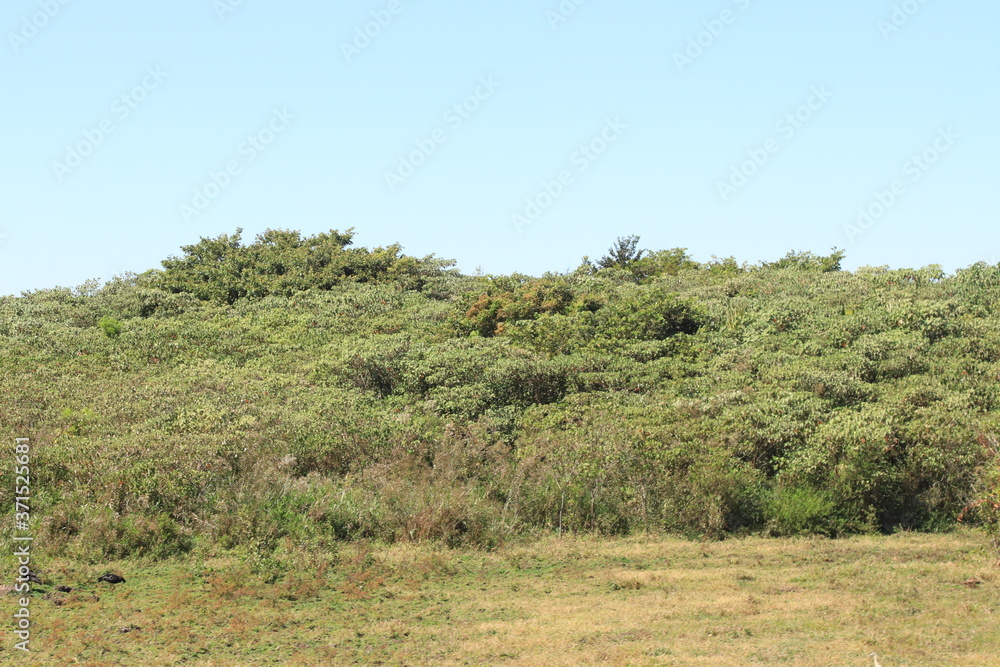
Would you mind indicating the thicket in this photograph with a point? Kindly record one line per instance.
(296, 390)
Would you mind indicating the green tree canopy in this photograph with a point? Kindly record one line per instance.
(283, 262)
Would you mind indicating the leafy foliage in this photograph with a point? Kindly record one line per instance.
(111, 327)
(282, 262)
(807, 261)
(300, 389)
(622, 253)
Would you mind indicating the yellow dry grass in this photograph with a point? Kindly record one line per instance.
(912, 598)
(742, 602)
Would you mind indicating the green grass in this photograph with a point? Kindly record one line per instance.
(569, 601)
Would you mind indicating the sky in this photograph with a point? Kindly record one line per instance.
(508, 136)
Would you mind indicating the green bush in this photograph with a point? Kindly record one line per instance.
(111, 327)
(297, 390)
(713, 496)
(803, 511)
(984, 507)
(647, 314)
(283, 262)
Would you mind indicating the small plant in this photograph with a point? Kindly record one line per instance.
(78, 421)
(111, 327)
(802, 511)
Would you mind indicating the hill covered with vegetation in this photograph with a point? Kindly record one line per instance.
(298, 390)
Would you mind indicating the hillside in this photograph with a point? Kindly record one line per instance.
(298, 390)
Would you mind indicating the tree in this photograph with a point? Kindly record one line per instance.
(622, 253)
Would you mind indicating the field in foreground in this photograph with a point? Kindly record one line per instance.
(912, 598)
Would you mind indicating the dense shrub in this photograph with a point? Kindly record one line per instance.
(803, 511)
(284, 262)
(300, 391)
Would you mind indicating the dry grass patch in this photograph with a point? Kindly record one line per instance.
(915, 599)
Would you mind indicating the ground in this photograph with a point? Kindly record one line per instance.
(647, 600)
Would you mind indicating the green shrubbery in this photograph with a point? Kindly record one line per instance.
(111, 327)
(803, 511)
(282, 262)
(296, 390)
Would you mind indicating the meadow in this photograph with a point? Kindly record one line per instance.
(642, 600)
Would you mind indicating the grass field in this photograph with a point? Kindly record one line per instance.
(569, 601)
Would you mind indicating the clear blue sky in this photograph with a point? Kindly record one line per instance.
(309, 129)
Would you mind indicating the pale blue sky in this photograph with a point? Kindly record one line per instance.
(329, 123)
